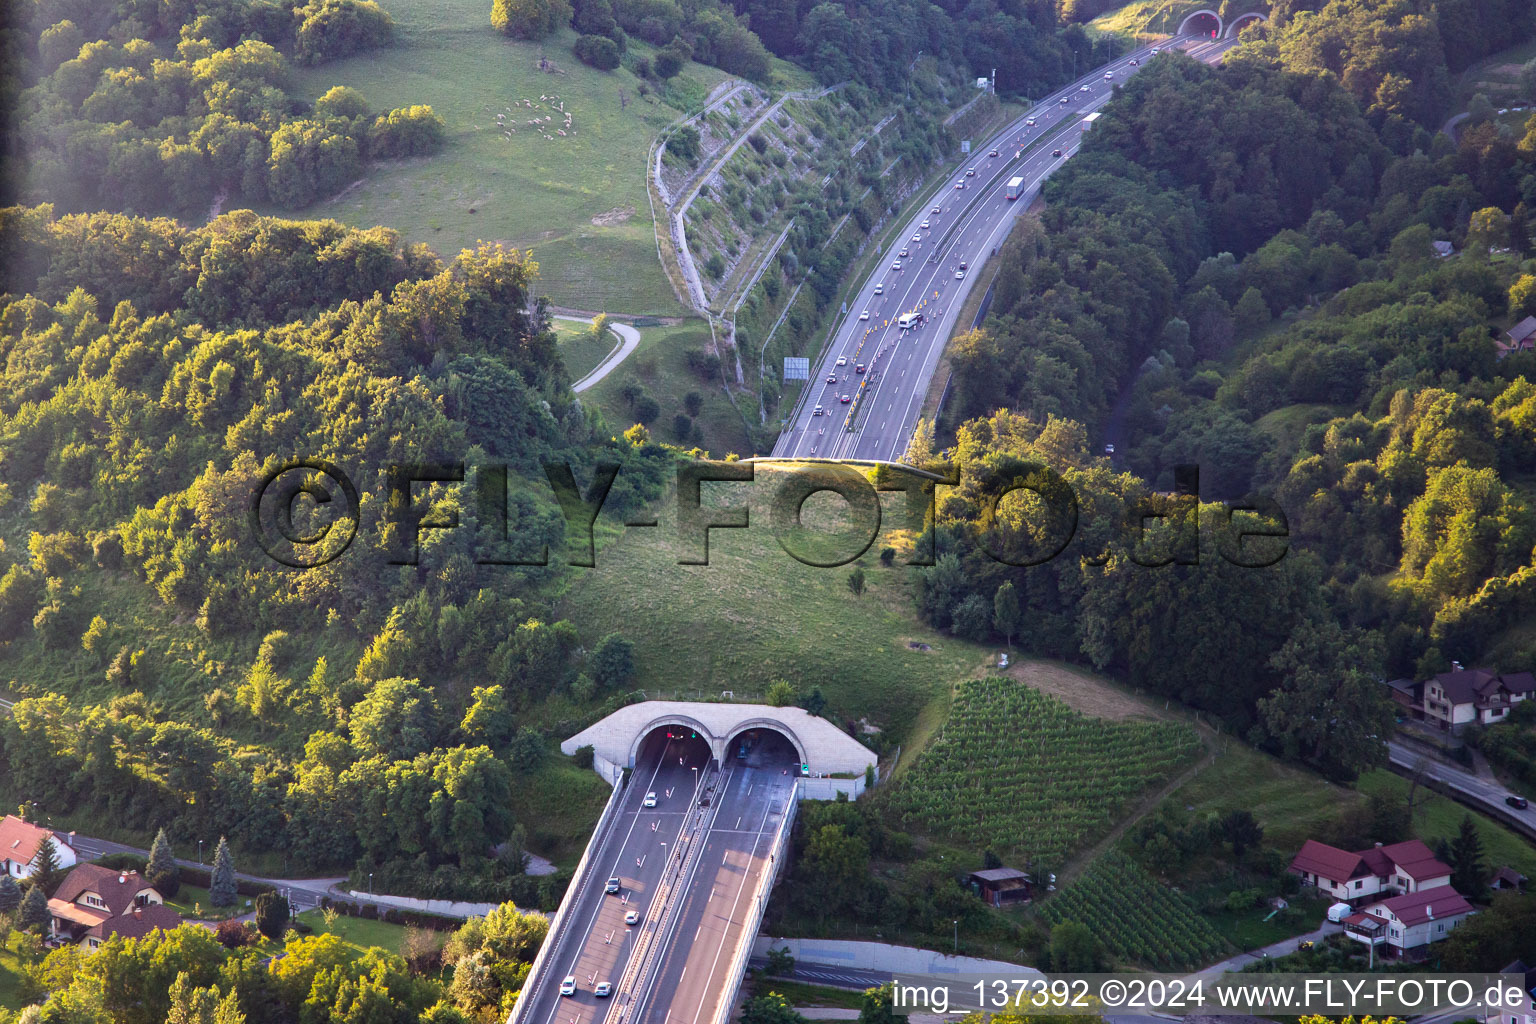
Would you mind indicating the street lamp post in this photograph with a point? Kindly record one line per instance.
(957, 935)
(199, 853)
(370, 883)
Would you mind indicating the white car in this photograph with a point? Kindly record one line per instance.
(919, 238)
(650, 799)
(864, 315)
(602, 990)
(959, 275)
(817, 411)
(936, 211)
(879, 289)
(959, 185)
(842, 360)
(1030, 123)
(1109, 449)
(896, 265)
(925, 225)
(633, 917)
(1082, 88)
(1155, 51)
(568, 986)
(1108, 75)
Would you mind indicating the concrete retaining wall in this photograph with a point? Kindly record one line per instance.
(881, 956)
(447, 908)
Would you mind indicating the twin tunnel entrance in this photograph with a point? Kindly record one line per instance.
(753, 745)
(1209, 24)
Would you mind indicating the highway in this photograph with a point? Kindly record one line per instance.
(693, 975)
(951, 228)
(596, 944)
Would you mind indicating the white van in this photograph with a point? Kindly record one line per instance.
(1339, 911)
(907, 321)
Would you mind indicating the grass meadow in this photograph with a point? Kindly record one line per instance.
(754, 614)
(578, 202)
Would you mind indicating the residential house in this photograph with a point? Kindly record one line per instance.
(1525, 979)
(95, 903)
(1411, 921)
(19, 843)
(1443, 248)
(1519, 338)
(1462, 696)
(1362, 876)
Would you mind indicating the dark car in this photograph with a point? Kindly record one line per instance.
(1517, 801)
(1055, 152)
(993, 153)
(612, 886)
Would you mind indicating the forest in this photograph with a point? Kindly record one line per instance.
(1259, 292)
(360, 713)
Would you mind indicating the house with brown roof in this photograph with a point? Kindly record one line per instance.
(1365, 875)
(19, 843)
(1001, 885)
(1406, 923)
(1462, 696)
(95, 903)
(1519, 338)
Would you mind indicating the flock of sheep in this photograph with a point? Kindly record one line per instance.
(544, 125)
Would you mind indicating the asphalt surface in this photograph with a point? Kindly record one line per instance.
(827, 974)
(693, 974)
(884, 401)
(1471, 788)
(595, 944)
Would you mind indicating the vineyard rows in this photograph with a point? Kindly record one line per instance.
(1019, 771)
(1135, 917)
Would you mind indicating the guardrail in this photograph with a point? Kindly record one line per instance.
(634, 988)
(554, 938)
(759, 908)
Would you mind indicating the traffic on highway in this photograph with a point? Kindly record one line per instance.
(864, 399)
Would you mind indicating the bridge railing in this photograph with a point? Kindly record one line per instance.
(776, 857)
(555, 936)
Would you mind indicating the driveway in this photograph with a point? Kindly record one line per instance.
(1274, 949)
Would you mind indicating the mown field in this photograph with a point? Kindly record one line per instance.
(578, 201)
(754, 614)
(660, 367)
(1018, 770)
(579, 349)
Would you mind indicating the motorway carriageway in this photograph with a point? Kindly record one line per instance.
(694, 951)
(886, 400)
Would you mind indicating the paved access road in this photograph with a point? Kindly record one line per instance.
(886, 398)
(595, 945)
(1486, 794)
(693, 975)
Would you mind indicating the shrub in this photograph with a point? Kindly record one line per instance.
(235, 934)
(583, 756)
(597, 51)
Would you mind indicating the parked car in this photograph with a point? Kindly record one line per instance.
(568, 986)
(1517, 801)
(612, 886)
(1109, 449)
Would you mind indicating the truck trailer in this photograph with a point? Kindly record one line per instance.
(1015, 188)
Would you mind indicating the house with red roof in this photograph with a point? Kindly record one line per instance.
(19, 843)
(1365, 875)
(1411, 921)
(95, 903)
